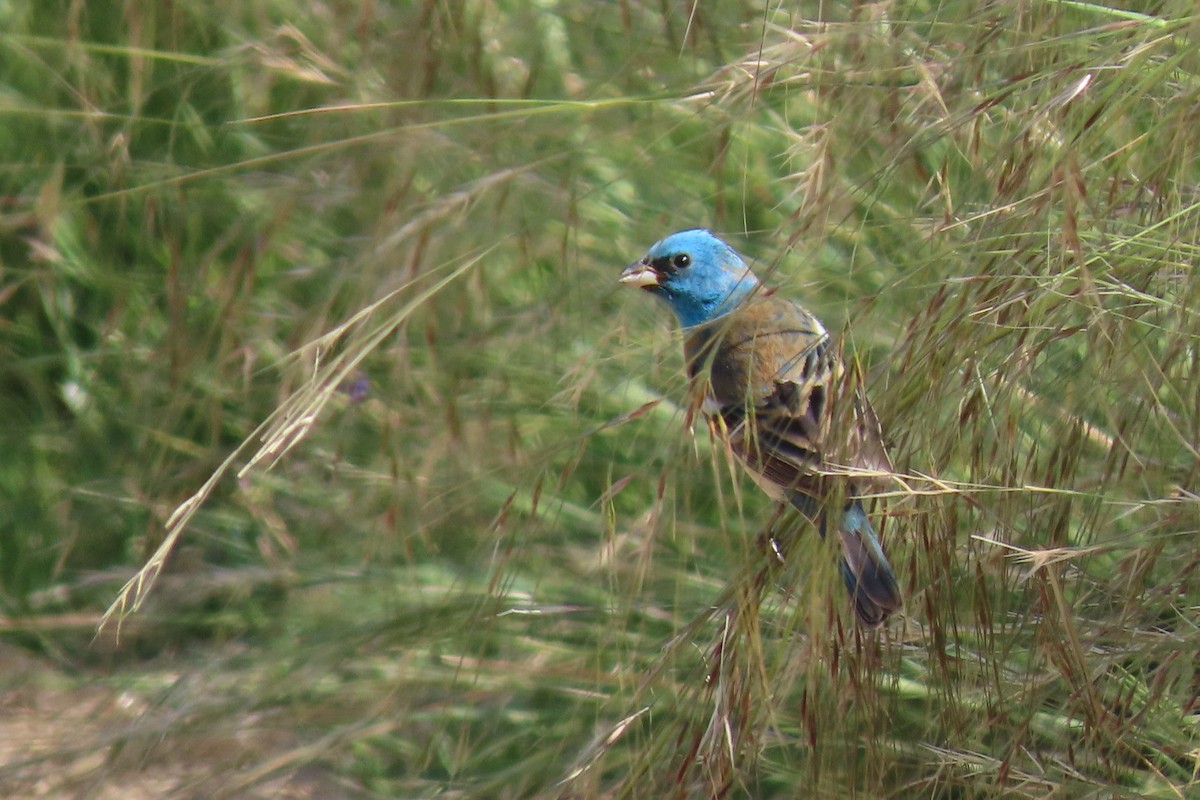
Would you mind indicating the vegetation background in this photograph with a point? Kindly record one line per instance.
(344, 273)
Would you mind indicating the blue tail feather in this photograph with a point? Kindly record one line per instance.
(864, 566)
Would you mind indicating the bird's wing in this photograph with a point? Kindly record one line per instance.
(865, 449)
(775, 391)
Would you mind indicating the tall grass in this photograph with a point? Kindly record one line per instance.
(312, 309)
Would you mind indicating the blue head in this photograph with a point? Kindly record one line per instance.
(698, 275)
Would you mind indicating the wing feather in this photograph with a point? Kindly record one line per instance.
(774, 392)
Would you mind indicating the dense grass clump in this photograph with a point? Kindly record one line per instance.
(310, 312)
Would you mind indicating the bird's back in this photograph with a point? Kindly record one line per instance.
(772, 377)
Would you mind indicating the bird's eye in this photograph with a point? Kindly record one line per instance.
(680, 261)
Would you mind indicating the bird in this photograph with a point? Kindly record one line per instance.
(770, 376)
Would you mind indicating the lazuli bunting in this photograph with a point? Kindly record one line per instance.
(771, 377)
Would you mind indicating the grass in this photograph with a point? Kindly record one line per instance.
(345, 275)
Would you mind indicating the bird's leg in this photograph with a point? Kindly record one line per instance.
(770, 541)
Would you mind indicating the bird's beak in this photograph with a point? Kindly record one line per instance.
(641, 275)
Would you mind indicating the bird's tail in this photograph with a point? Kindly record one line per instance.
(865, 568)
